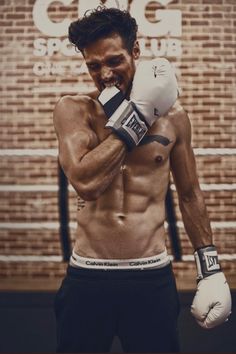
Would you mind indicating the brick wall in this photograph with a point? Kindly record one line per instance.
(30, 87)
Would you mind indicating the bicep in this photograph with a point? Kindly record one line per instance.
(182, 159)
(75, 137)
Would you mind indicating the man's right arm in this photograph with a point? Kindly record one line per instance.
(89, 165)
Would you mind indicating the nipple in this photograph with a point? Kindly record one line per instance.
(159, 159)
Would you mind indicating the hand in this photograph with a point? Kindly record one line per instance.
(153, 93)
(123, 117)
(212, 303)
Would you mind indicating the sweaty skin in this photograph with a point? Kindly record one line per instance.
(123, 212)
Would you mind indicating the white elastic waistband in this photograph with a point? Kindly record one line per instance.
(157, 261)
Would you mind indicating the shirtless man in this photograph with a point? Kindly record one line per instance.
(119, 280)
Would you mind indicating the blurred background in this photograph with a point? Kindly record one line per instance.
(38, 207)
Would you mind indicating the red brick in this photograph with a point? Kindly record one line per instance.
(206, 74)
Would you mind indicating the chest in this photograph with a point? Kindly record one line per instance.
(153, 150)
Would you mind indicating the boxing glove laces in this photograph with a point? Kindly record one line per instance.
(212, 302)
(154, 91)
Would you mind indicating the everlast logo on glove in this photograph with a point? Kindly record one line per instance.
(134, 124)
(212, 261)
(207, 261)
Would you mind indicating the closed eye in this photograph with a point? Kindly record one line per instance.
(93, 66)
(115, 61)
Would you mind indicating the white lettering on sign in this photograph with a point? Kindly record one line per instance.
(43, 22)
(43, 47)
(160, 47)
(61, 68)
(85, 5)
(167, 23)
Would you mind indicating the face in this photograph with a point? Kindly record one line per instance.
(109, 63)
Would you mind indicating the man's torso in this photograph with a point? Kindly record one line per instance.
(127, 220)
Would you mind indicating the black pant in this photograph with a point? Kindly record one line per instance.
(140, 307)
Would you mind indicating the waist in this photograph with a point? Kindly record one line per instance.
(153, 262)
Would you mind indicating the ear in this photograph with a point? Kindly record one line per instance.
(136, 50)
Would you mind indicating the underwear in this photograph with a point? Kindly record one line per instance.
(158, 261)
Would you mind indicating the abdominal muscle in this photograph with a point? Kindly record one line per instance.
(125, 222)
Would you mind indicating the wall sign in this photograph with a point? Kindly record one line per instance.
(163, 34)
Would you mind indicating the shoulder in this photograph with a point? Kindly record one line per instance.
(69, 107)
(71, 103)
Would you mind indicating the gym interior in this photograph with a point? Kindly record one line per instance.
(38, 207)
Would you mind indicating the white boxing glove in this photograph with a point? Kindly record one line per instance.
(212, 303)
(154, 89)
(153, 93)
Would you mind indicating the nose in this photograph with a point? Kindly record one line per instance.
(106, 73)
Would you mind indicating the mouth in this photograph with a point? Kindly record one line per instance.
(116, 83)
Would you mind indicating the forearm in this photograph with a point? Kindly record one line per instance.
(97, 168)
(195, 219)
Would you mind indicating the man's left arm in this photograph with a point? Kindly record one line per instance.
(212, 303)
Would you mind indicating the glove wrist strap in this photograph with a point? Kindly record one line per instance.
(110, 99)
(207, 261)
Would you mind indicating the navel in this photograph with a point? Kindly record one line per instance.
(121, 216)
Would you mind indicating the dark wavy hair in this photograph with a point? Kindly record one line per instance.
(100, 23)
